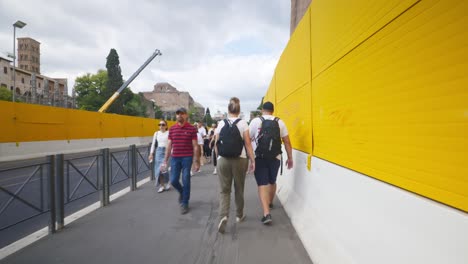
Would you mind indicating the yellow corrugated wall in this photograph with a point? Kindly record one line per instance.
(387, 93)
(27, 122)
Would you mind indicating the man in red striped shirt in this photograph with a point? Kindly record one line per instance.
(182, 141)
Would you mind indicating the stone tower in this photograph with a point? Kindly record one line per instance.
(29, 55)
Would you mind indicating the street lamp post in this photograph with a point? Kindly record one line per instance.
(17, 24)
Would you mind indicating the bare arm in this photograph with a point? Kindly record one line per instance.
(153, 143)
(248, 147)
(196, 157)
(288, 147)
(168, 151)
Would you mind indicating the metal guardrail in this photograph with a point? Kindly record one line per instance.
(43, 197)
(46, 187)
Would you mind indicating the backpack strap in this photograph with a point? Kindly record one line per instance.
(227, 122)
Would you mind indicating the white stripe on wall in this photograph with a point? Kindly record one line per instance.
(27, 150)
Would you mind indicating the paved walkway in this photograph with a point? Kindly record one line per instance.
(147, 227)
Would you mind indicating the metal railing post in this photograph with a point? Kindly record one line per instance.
(105, 194)
(51, 179)
(59, 190)
(133, 158)
(151, 164)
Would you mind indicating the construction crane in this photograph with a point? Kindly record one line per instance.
(117, 93)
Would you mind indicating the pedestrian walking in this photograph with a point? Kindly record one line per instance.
(158, 147)
(267, 132)
(182, 143)
(234, 150)
(214, 149)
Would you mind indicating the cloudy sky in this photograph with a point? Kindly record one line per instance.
(214, 49)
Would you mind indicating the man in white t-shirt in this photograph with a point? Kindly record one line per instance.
(266, 169)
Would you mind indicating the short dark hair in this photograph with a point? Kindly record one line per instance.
(268, 106)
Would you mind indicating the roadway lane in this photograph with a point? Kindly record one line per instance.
(36, 190)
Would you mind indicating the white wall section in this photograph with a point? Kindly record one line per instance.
(343, 217)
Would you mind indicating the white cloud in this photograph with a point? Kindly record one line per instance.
(76, 37)
(219, 78)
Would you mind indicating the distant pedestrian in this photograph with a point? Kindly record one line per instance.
(158, 146)
(266, 133)
(234, 149)
(214, 149)
(199, 151)
(182, 143)
(202, 132)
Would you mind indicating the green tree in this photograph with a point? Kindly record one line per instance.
(114, 82)
(90, 90)
(261, 105)
(5, 94)
(135, 107)
(192, 114)
(207, 118)
(158, 113)
(93, 90)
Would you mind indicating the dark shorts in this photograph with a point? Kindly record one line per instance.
(266, 171)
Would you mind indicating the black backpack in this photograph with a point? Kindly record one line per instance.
(230, 143)
(269, 139)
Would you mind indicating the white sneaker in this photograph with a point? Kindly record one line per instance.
(215, 172)
(167, 187)
(240, 219)
(222, 225)
(161, 189)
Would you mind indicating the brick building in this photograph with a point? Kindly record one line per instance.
(29, 55)
(169, 99)
(31, 86)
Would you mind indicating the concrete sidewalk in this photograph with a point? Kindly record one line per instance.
(146, 227)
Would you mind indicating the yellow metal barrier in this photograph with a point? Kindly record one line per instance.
(380, 88)
(27, 122)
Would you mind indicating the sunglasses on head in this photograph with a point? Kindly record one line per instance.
(162, 124)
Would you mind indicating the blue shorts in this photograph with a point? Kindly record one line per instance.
(266, 171)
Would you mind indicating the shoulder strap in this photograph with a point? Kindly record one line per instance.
(237, 121)
(226, 122)
(276, 119)
(262, 118)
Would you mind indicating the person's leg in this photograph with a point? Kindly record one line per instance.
(215, 160)
(273, 166)
(225, 182)
(201, 155)
(157, 165)
(240, 170)
(261, 176)
(176, 167)
(159, 158)
(186, 164)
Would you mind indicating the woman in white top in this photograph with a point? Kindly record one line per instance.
(233, 168)
(160, 138)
